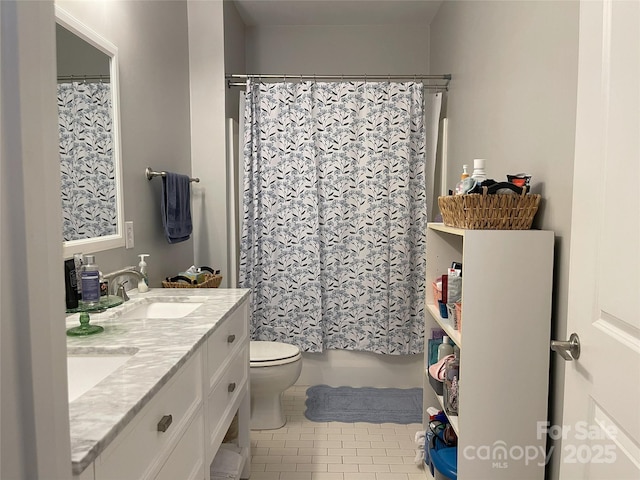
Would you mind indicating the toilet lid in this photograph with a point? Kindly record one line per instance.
(266, 352)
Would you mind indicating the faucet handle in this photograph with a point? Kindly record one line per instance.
(122, 293)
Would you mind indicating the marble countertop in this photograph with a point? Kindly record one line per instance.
(159, 347)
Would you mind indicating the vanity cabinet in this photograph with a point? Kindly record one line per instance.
(504, 346)
(178, 432)
(227, 385)
(141, 449)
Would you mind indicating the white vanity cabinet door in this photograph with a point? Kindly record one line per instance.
(140, 450)
(186, 462)
(222, 398)
(225, 340)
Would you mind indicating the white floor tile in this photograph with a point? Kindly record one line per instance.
(306, 450)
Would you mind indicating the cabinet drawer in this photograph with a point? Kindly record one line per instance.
(232, 381)
(140, 449)
(186, 462)
(226, 339)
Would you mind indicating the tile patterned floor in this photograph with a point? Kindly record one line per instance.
(306, 450)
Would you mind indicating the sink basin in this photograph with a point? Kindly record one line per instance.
(86, 371)
(162, 310)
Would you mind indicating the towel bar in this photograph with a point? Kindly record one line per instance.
(150, 174)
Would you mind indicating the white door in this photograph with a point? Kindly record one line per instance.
(601, 424)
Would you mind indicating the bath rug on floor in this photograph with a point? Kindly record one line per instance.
(366, 404)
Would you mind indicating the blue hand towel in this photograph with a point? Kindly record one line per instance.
(176, 207)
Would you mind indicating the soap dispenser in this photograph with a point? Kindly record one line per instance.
(143, 284)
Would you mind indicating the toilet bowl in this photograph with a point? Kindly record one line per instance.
(275, 367)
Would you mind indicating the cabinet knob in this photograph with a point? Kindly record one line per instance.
(231, 387)
(163, 424)
(231, 338)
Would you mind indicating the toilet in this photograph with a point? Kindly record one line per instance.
(275, 367)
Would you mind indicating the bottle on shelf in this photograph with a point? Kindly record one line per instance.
(451, 384)
(479, 174)
(445, 348)
(460, 186)
(90, 279)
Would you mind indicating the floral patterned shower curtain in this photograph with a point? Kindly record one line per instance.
(333, 235)
(86, 160)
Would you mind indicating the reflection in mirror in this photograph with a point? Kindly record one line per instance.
(89, 148)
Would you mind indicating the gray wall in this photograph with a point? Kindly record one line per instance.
(359, 49)
(152, 42)
(75, 56)
(513, 101)
(234, 54)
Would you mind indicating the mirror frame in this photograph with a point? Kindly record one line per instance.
(107, 242)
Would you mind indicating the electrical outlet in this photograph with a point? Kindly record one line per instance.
(128, 235)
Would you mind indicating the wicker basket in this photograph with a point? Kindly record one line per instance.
(477, 211)
(211, 281)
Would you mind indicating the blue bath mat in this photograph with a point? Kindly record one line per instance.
(366, 404)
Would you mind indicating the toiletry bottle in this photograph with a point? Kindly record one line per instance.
(445, 348)
(142, 267)
(479, 174)
(460, 184)
(104, 285)
(78, 261)
(143, 284)
(451, 385)
(90, 279)
(70, 284)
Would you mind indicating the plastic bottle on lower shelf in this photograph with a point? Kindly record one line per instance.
(445, 348)
(451, 385)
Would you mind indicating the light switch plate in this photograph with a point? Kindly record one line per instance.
(128, 234)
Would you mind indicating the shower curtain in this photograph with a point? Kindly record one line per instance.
(86, 160)
(333, 233)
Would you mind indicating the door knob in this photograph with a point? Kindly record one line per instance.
(568, 350)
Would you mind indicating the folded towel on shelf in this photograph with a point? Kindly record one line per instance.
(176, 207)
(226, 465)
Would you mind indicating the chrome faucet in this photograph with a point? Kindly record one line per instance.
(118, 289)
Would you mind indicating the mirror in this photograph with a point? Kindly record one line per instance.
(89, 147)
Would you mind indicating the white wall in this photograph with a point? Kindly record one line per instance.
(153, 49)
(513, 101)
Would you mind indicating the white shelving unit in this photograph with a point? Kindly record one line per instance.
(504, 346)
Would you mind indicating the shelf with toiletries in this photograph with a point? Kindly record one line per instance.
(506, 295)
(453, 419)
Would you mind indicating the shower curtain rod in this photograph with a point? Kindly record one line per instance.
(84, 78)
(284, 77)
